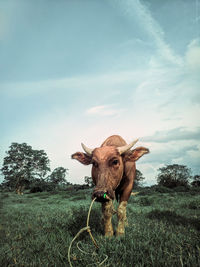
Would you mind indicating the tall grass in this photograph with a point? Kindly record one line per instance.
(36, 230)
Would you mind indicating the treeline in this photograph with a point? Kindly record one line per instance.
(176, 175)
(27, 168)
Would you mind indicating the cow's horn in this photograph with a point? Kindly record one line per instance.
(125, 148)
(87, 149)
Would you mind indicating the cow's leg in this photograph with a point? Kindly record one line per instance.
(129, 171)
(108, 210)
(121, 214)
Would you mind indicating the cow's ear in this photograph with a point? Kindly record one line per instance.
(135, 154)
(82, 157)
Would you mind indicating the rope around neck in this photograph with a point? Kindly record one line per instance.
(87, 228)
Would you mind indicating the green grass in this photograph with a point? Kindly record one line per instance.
(36, 230)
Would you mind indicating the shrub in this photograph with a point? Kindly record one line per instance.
(162, 189)
(41, 186)
(181, 189)
(194, 190)
(36, 189)
(174, 175)
(147, 191)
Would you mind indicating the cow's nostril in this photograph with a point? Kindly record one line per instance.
(101, 196)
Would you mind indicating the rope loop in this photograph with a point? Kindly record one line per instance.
(87, 228)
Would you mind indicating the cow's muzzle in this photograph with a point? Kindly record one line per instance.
(102, 195)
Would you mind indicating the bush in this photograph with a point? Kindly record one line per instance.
(181, 189)
(174, 175)
(36, 189)
(196, 183)
(41, 186)
(147, 191)
(162, 189)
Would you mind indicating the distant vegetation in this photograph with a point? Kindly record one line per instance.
(174, 175)
(25, 168)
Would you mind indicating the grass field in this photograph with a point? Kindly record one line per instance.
(36, 230)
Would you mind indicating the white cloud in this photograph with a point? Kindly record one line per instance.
(192, 57)
(136, 8)
(161, 154)
(178, 134)
(107, 84)
(103, 110)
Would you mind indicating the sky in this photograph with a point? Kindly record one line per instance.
(75, 71)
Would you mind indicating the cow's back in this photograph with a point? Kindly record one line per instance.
(114, 140)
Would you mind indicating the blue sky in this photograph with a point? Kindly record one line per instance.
(79, 71)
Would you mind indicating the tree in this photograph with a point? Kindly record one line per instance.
(89, 181)
(58, 176)
(40, 185)
(196, 181)
(139, 178)
(22, 165)
(174, 175)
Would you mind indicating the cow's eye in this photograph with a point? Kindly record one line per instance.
(95, 164)
(115, 162)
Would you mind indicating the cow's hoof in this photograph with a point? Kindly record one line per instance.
(119, 234)
(109, 234)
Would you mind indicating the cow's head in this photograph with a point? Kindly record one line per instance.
(108, 166)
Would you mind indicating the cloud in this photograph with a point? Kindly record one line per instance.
(103, 110)
(136, 8)
(155, 30)
(172, 92)
(176, 134)
(178, 145)
(166, 154)
(83, 83)
(192, 58)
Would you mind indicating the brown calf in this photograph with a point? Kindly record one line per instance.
(113, 174)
